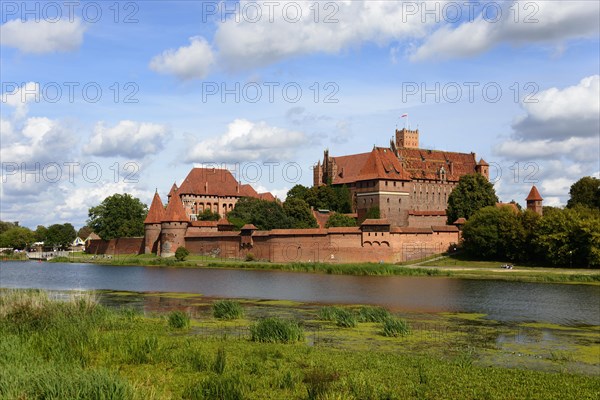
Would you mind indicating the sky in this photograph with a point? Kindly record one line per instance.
(104, 97)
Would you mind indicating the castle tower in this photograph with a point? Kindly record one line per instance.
(483, 168)
(152, 225)
(173, 227)
(407, 139)
(534, 201)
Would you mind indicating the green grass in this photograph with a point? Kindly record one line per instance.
(394, 327)
(227, 309)
(77, 349)
(276, 330)
(179, 320)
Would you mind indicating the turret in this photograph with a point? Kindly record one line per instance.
(152, 225)
(173, 227)
(407, 139)
(483, 168)
(534, 201)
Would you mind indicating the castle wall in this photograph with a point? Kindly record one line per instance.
(425, 221)
(116, 246)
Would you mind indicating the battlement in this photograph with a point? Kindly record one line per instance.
(407, 139)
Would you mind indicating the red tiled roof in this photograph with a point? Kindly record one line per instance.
(444, 228)
(428, 213)
(204, 224)
(298, 232)
(266, 196)
(426, 164)
(173, 190)
(249, 226)
(217, 182)
(381, 221)
(411, 230)
(460, 221)
(156, 212)
(344, 229)
(534, 195)
(483, 162)
(191, 234)
(223, 222)
(380, 163)
(321, 217)
(210, 181)
(175, 211)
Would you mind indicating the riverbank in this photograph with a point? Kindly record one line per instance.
(80, 349)
(433, 266)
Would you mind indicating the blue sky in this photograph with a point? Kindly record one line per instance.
(358, 72)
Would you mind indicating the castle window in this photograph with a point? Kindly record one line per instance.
(388, 199)
(386, 183)
(394, 184)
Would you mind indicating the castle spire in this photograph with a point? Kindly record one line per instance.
(156, 212)
(175, 211)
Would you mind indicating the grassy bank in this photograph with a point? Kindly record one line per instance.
(440, 266)
(79, 349)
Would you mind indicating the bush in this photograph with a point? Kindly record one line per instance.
(345, 319)
(250, 257)
(179, 320)
(227, 309)
(217, 388)
(276, 330)
(373, 314)
(181, 253)
(394, 327)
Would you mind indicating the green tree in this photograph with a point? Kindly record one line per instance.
(208, 215)
(119, 215)
(4, 226)
(297, 192)
(494, 233)
(265, 215)
(586, 192)
(40, 233)
(84, 232)
(472, 193)
(569, 237)
(299, 214)
(181, 253)
(343, 199)
(338, 219)
(60, 235)
(17, 237)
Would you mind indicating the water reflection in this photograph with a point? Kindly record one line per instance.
(501, 300)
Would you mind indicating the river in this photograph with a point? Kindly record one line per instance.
(564, 304)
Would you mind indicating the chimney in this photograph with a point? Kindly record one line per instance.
(206, 187)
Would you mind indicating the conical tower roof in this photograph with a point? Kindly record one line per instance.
(534, 195)
(175, 211)
(156, 212)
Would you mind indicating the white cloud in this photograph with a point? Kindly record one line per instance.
(536, 22)
(245, 44)
(191, 62)
(582, 149)
(573, 111)
(42, 36)
(20, 96)
(247, 141)
(40, 140)
(128, 139)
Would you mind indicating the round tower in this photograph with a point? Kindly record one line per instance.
(173, 227)
(152, 226)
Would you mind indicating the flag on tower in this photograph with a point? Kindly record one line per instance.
(404, 115)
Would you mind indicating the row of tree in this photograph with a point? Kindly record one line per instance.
(54, 236)
(565, 237)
